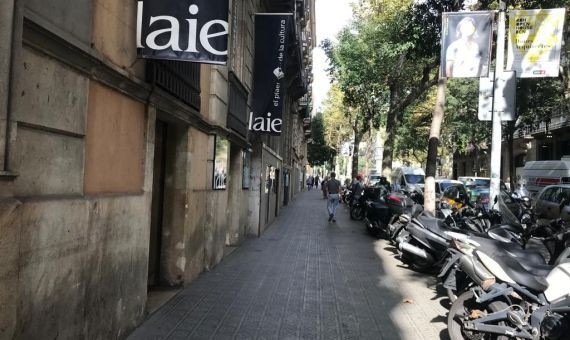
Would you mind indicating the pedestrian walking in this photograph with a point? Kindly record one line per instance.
(317, 179)
(310, 180)
(357, 188)
(332, 188)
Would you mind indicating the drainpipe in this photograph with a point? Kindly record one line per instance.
(11, 26)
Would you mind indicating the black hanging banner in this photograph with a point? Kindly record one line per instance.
(271, 42)
(187, 30)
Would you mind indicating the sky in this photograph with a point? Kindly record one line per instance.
(332, 16)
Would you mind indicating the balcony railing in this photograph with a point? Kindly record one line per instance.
(179, 78)
(237, 109)
(304, 101)
(556, 122)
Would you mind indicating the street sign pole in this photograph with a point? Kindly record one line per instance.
(497, 139)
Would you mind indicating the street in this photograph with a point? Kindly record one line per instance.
(305, 278)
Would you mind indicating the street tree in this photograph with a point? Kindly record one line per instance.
(336, 119)
(319, 153)
(354, 72)
(425, 26)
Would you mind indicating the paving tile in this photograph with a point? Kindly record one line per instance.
(305, 279)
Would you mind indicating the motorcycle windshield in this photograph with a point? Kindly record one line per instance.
(507, 215)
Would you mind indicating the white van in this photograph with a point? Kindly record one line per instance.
(537, 175)
(408, 178)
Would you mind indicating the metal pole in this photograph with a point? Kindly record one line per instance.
(497, 139)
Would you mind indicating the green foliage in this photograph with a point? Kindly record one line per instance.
(319, 153)
(461, 130)
(336, 124)
(383, 67)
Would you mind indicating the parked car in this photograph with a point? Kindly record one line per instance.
(374, 178)
(550, 200)
(454, 190)
(479, 190)
(442, 184)
(475, 187)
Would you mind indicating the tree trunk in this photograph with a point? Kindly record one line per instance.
(391, 126)
(355, 152)
(431, 164)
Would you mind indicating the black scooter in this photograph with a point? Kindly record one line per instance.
(423, 243)
(359, 206)
(383, 213)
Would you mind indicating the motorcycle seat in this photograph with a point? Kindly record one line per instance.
(518, 273)
(488, 245)
(537, 269)
(433, 224)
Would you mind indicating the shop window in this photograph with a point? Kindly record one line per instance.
(220, 163)
(269, 177)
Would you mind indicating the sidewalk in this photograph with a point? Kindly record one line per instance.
(305, 278)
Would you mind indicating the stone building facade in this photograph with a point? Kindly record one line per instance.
(543, 142)
(107, 163)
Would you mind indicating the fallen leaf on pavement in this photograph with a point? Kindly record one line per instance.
(476, 314)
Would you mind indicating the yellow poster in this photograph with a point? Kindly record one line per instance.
(535, 41)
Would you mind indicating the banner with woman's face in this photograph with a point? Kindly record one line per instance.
(466, 44)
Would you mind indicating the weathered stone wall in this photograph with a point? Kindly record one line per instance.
(9, 288)
(82, 244)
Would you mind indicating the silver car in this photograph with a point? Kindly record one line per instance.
(550, 200)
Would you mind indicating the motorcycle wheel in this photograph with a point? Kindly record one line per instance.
(356, 213)
(465, 305)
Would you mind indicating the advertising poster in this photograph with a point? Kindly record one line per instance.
(272, 33)
(466, 44)
(187, 30)
(535, 42)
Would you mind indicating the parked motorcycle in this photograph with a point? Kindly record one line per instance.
(511, 296)
(454, 280)
(424, 241)
(346, 196)
(383, 212)
(358, 208)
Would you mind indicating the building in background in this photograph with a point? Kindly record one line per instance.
(118, 174)
(545, 141)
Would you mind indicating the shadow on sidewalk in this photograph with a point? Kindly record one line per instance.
(304, 278)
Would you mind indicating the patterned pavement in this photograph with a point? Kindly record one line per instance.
(305, 279)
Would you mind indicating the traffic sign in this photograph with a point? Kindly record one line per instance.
(505, 96)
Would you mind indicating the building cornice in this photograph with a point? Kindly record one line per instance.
(92, 64)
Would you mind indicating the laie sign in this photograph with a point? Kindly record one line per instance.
(191, 30)
(272, 33)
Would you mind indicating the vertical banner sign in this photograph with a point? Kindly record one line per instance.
(271, 41)
(535, 42)
(466, 44)
(188, 30)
